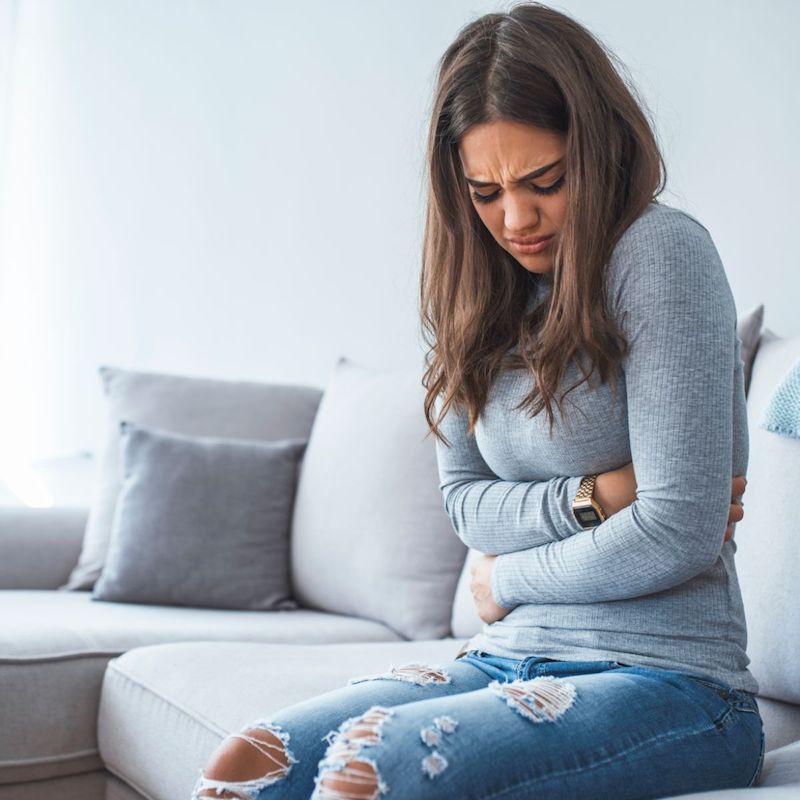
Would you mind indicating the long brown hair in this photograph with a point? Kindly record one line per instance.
(535, 65)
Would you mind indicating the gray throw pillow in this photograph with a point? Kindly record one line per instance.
(185, 404)
(201, 521)
(748, 327)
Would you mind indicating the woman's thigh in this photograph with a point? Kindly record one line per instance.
(486, 727)
(306, 729)
(570, 731)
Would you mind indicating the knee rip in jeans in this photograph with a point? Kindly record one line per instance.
(344, 772)
(421, 674)
(270, 762)
(542, 699)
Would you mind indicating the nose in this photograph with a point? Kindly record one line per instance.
(521, 215)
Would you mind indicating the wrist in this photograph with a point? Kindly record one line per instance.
(586, 508)
(602, 493)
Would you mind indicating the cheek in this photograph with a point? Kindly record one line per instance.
(492, 220)
(559, 211)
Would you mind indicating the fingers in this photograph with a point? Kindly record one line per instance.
(736, 514)
(738, 485)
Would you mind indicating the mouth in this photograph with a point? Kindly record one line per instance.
(532, 245)
(531, 239)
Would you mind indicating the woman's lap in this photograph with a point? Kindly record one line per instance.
(486, 727)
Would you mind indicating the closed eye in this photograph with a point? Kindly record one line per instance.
(541, 190)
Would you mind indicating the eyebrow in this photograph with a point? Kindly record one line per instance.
(535, 174)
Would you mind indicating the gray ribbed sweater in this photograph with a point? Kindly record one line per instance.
(655, 584)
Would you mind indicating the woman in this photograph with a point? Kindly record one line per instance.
(612, 662)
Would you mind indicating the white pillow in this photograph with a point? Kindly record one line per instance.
(370, 536)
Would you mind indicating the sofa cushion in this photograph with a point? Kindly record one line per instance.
(749, 327)
(164, 708)
(466, 622)
(84, 786)
(767, 553)
(182, 404)
(54, 647)
(202, 521)
(370, 536)
(26, 533)
(117, 789)
(97, 785)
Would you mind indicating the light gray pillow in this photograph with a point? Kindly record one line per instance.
(370, 536)
(182, 404)
(201, 522)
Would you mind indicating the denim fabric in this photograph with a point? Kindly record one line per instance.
(485, 726)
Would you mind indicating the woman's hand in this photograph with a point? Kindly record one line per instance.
(616, 489)
(481, 587)
(736, 512)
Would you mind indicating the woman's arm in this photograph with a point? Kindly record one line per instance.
(681, 372)
(492, 515)
(614, 491)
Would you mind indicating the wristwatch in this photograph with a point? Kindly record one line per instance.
(587, 510)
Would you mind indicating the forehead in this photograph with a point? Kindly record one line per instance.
(506, 148)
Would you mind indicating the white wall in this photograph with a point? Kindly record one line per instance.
(234, 189)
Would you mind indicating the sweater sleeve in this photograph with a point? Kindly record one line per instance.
(497, 516)
(669, 290)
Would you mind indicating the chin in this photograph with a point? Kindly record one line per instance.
(538, 269)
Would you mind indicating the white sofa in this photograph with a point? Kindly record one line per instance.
(126, 701)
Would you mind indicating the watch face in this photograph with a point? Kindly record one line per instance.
(587, 516)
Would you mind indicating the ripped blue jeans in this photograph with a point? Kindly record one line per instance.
(483, 726)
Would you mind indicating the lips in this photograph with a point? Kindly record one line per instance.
(531, 239)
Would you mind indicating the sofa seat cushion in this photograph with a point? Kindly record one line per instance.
(86, 786)
(54, 647)
(164, 708)
(97, 785)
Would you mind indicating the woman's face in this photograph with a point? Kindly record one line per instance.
(516, 174)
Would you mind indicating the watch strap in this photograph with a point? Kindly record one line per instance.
(586, 488)
(584, 502)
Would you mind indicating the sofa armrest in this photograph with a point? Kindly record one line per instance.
(39, 546)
